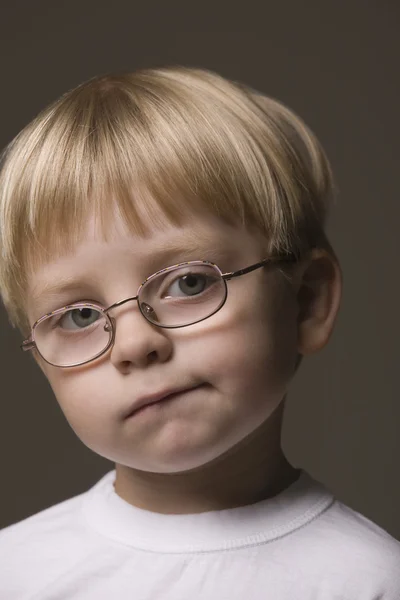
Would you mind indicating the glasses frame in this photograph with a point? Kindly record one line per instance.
(30, 344)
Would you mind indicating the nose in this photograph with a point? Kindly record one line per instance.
(137, 343)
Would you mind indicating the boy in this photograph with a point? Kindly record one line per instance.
(164, 256)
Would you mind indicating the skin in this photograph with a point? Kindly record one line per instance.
(217, 446)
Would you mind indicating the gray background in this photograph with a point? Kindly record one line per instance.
(336, 64)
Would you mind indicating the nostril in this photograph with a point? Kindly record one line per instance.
(152, 356)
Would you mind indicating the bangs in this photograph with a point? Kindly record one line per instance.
(156, 146)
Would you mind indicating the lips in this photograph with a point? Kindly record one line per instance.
(156, 397)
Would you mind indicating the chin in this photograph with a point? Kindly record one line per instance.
(175, 463)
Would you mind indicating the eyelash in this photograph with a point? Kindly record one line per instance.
(71, 302)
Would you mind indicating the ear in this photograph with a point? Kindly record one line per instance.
(319, 290)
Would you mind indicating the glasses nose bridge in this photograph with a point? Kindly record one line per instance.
(121, 303)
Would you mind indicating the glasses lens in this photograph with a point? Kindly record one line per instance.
(73, 336)
(182, 295)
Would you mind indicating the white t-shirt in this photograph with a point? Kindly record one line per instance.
(300, 545)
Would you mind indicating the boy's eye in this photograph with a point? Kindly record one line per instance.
(76, 318)
(190, 284)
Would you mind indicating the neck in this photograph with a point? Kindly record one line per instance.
(254, 470)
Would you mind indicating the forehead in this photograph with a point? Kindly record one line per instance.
(161, 238)
(194, 229)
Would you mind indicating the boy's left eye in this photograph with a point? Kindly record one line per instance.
(190, 284)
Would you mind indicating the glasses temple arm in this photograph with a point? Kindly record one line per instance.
(231, 275)
(27, 345)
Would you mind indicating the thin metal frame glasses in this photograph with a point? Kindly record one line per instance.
(146, 310)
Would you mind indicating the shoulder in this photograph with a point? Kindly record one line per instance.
(41, 522)
(360, 548)
(55, 537)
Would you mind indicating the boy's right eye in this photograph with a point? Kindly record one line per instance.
(77, 318)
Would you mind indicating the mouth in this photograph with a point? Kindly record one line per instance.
(158, 398)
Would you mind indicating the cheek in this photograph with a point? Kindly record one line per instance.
(85, 401)
(249, 351)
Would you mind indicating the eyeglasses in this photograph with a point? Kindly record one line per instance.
(178, 296)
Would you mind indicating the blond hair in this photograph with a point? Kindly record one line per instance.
(177, 138)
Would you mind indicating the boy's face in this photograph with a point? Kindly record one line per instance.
(235, 365)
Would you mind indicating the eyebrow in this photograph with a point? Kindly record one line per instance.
(165, 254)
(63, 284)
